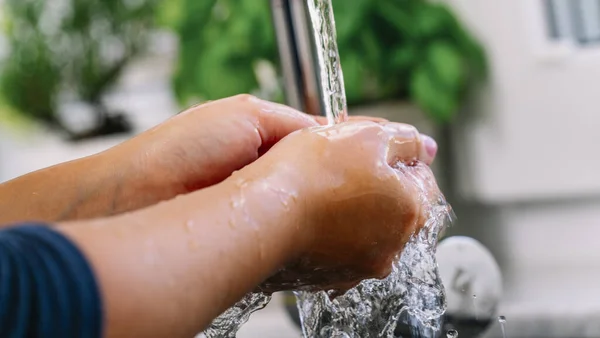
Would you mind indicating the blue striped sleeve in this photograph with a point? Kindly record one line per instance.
(47, 287)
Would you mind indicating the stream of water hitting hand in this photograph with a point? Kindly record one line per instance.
(330, 68)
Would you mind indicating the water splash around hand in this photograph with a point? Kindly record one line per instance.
(373, 308)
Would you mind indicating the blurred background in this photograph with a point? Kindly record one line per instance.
(510, 89)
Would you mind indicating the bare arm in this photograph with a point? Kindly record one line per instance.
(168, 270)
(90, 187)
(191, 151)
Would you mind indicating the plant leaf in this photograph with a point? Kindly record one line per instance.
(446, 63)
(431, 20)
(440, 105)
(353, 77)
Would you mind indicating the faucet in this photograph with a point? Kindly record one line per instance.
(297, 50)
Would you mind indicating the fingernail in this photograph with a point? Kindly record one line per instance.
(430, 145)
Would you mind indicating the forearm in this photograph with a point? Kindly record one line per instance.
(66, 191)
(86, 188)
(167, 271)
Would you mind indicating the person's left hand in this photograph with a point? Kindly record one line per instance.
(203, 146)
(206, 143)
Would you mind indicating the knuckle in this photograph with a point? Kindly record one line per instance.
(409, 128)
(245, 104)
(250, 103)
(246, 98)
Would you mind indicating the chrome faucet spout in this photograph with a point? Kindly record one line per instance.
(297, 51)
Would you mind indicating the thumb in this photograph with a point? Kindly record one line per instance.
(276, 121)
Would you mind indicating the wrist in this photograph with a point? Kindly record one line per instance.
(272, 202)
(134, 182)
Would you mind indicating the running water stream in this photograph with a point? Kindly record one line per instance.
(332, 77)
(373, 308)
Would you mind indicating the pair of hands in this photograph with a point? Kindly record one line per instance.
(357, 211)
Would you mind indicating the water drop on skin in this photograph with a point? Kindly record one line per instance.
(452, 334)
(283, 199)
(189, 226)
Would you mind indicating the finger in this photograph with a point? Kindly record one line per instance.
(276, 121)
(407, 145)
(429, 148)
(323, 120)
(367, 118)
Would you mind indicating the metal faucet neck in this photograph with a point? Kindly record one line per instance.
(297, 51)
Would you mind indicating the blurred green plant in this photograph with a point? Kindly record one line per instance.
(220, 43)
(79, 47)
(414, 50)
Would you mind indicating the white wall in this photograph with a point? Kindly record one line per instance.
(529, 168)
(536, 135)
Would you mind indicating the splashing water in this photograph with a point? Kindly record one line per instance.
(332, 77)
(230, 322)
(371, 309)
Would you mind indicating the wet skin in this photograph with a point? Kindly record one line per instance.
(307, 197)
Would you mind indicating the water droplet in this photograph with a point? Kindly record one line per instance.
(474, 296)
(189, 226)
(502, 319)
(283, 199)
(452, 334)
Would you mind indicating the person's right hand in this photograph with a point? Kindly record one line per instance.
(325, 202)
(358, 207)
